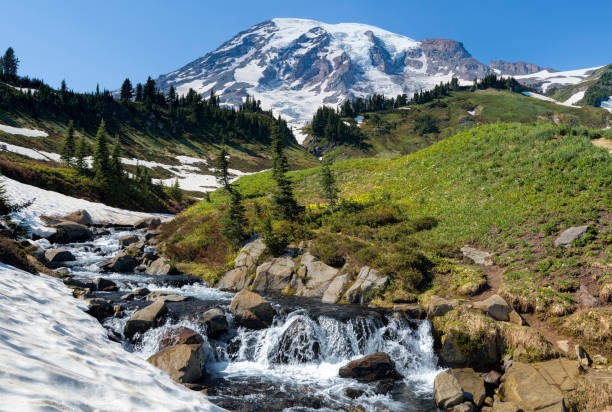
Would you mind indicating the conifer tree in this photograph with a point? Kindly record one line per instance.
(221, 169)
(171, 96)
(101, 163)
(234, 220)
(69, 149)
(175, 191)
(127, 92)
(138, 96)
(10, 63)
(116, 168)
(284, 201)
(328, 183)
(82, 152)
(149, 91)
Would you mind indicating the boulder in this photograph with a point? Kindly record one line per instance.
(439, 306)
(165, 297)
(499, 406)
(582, 356)
(180, 336)
(82, 217)
(125, 241)
(70, 232)
(447, 391)
(333, 293)
(250, 254)
(235, 279)
(569, 235)
(480, 257)
(123, 263)
(367, 279)
(413, 311)
(148, 223)
(251, 310)
(58, 255)
(460, 349)
(183, 363)
(491, 379)
(370, 368)
(586, 299)
(215, 321)
(100, 308)
(162, 266)
(464, 407)
(145, 319)
(141, 292)
(497, 308)
(314, 276)
(471, 383)
(274, 275)
(102, 284)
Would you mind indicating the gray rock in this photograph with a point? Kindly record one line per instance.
(81, 217)
(471, 383)
(563, 345)
(123, 263)
(145, 319)
(412, 310)
(70, 232)
(274, 275)
(314, 276)
(571, 234)
(497, 308)
(162, 266)
(480, 257)
(125, 241)
(251, 310)
(439, 306)
(333, 293)
(235, 279)
(102, 283)
(370, 368)
(100, 308)
(165, 297)
(447, 391)
(141, 291)
(586, 299)
(250, 254)
(59, 255)
(215, 321)
(464, 407)
(367, 279)
(183, 363)
(148, 223)
(582, 356)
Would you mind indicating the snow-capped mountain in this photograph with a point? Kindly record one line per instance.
(294, 65)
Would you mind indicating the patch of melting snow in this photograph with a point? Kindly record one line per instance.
(57, 357)
(23, 131)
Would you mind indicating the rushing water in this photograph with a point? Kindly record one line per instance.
(292, 365)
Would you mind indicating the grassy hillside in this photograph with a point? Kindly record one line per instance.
(396, 132)
(597, 87)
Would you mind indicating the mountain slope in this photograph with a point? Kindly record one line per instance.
(594, 90)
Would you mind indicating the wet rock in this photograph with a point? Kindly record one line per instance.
(123, 263)
(180, 336)
(141, 291)
(165, 297)
(353, 393)
(447, 391)
(128, 296)
(333, 293)
(61, 270)
(480, 257)
(367, 279)
(384, 386)
(140, 268)
(274, 275)
(569, 235)
(145, 319)
(100, 308)
(148, 223)
(235, 279)
(370, 368)
(59, 255)
(471, 383)
(102, 283)
(162, 266)
(125, 241)
(100, 231)
(298, 344)
(183, 363)
(497, 308)
(81, 217)
(314, 276)
(251, 310)
(70, 232)
(215, 321)
(150, 234)
(439, 306)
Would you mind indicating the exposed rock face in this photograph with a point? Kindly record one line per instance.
(123, 263)
(439, 306)
(70, 232)
(161, 266)
(250, 254)
(471, 383)
(444, 53)
(180, 336)
(215, 322)
(145, 319)
(251, 310)
(82, 217)
(569, 235)
(58, 255)
(333, 293)
(239, 278)
(497, 308)
(516, 69)
(367, 279)
(125, 241)
(479, 257)
(370, 368)
(540, 386)
(314, 276)
(235, 279)
(447, 390)
(148, 223)
(183, 363)
(274, 275)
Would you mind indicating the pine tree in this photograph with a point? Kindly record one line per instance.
(138, 96)
(149, 91)
(328, 183)
(81, 153)
(69, 149)
(116, 168)
(234, 221)
(10, 63)
(221, 169)
(171, 96)
(284, 201)
(175, 191)
(101, 163)
(127, 92)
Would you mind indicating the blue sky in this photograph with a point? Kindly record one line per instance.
(89, 42)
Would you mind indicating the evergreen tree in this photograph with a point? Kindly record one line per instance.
(116, 168)
(101, 163)
(69, 149)
(149, 91)
(10, 63)
(284, 201)
(171, 96)
(234, 221)
(328, 183)
(221, 169)
(81, 153)
(175, 191)
(138, 96)
(127, 92)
